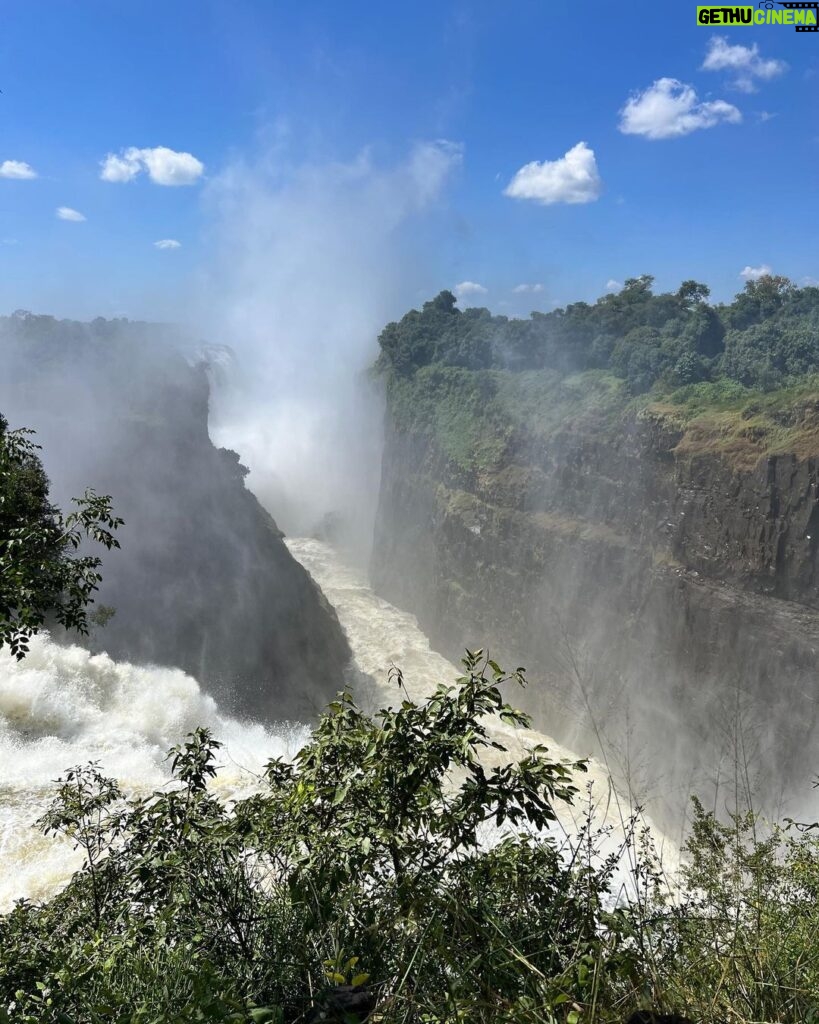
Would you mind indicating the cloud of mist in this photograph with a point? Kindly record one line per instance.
(312, 263)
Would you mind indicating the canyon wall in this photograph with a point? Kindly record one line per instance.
(203, 580)
(657, 580)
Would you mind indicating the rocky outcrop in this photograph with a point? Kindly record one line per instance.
(663, 595)
(203, 580)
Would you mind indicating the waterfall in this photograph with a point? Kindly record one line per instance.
(62, 706)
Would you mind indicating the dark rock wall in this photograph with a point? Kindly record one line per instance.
(664, 602)
(203, 580)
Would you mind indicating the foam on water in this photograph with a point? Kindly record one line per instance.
(381, 634)
(61, 707)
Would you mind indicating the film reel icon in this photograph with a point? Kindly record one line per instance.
(768, 5)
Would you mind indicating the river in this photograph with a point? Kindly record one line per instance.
(61, 706)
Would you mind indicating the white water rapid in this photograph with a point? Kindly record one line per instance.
(60, 707)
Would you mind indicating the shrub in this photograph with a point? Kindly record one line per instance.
(404, 859)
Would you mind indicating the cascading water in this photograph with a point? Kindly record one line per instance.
(381, 635)
(61, 706)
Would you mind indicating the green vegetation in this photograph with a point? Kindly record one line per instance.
(402, 858)
(39, 577)
(475, 415)
(766, 338)
(737, 378)
(459, 407)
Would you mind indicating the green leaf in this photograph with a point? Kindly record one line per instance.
(263, 1015)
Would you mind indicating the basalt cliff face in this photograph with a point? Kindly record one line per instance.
(203, 580)
(658, 579)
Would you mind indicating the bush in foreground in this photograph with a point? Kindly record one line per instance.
(402, 858)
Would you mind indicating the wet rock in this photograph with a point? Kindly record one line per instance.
(203, 581)
(683, 585)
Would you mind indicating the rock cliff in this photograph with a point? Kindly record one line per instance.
(203, 581)
(655, 572)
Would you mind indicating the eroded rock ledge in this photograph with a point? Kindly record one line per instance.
(647, 575)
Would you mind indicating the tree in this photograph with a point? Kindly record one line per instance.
(39, 576)
(760, 300)
(692, 293)
(404, 854)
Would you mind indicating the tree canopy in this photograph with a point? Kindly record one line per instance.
(767, 337)
(42, 574)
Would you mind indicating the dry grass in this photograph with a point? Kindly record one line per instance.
(747, 426)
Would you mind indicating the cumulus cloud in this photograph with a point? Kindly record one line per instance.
(168, 243)
(467, 288)
(613, 286)
(669, 108)
(754, 273)
(164, 166)
(121, 168)
(18, 169)
(744, 62)
(523, 289)
(573, 178)
(66, 213)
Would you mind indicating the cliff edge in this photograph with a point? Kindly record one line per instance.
(203, 581)
(651, 559)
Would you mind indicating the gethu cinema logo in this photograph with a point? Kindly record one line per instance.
(803, 16)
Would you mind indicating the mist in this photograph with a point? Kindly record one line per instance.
(310, 262)
(305, 264)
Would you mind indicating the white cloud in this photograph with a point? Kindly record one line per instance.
(571, 179)
(121, 168)
(754, 273)
(743, 61)
(17, 169)
(66, 213)
(669, 108)
(466, 288)
(613, 286)
(164, 166)
(522, 289)
(168, 243)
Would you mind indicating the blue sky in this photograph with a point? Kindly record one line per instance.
(701, 154)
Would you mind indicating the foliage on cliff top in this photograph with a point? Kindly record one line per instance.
(475, 415)
(458, 408)
(367, 862)
(766, 338)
